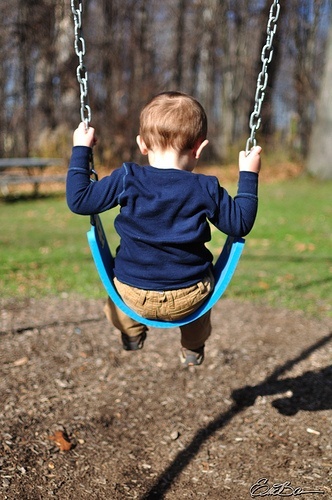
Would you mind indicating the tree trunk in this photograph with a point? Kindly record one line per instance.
(268, 124)
(180, 37)
(25, 84)
(320, 150)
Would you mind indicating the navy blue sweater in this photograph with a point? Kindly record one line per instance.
(163, 220)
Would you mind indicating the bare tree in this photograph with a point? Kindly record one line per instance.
(179, 44)
(237, 75)
(305, 18)
(208, 48)
(268, 122)
(25, 72)
(320, 151)
(4, 71)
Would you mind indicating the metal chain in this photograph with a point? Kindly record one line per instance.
(266, 58)
(81, 70)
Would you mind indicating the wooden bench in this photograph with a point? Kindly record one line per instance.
(20, 171)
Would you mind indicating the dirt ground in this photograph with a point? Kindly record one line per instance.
(253, 421)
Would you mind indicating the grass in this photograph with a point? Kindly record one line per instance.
(287, 259)
(44, 250)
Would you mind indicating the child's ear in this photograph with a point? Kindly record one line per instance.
(200, 148)
(142, 146)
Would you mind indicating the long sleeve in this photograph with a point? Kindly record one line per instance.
(84, 196)
(236, 216)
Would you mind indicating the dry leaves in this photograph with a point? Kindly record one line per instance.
(61, 439)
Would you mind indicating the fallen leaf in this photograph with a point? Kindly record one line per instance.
(263, 285)
(300, 247)
(304, 247)
(61, 439)
(21, 361)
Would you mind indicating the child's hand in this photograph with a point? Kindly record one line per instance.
(252, 162)
(84, 137)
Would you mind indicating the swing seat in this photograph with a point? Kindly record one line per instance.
(224, 269)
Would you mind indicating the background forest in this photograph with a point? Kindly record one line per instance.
(137, 48)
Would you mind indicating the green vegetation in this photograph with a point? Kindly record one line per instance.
(287, 260)
(44, 250)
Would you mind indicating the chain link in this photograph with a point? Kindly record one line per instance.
(266, 58)
(81, 71)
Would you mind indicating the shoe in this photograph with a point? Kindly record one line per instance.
(192, 358)
(133, 343)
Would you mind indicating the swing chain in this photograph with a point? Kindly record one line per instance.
(82, 72)
(266, 58)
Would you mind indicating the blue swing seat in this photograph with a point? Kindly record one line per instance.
(224, 269)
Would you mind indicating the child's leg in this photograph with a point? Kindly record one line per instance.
(121, 321)
(193, 337)
(195, 334)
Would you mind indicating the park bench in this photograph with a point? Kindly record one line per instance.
(20, 171)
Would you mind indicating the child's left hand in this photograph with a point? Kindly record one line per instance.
(84, 137)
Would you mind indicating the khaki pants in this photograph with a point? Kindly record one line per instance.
(169, 305)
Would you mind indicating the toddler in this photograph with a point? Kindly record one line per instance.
(163, 269)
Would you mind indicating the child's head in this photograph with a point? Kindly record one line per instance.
(173, 120)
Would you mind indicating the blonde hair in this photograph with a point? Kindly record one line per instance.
(173, 119)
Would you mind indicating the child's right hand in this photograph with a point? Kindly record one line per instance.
(252, 161)
(84, 137)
